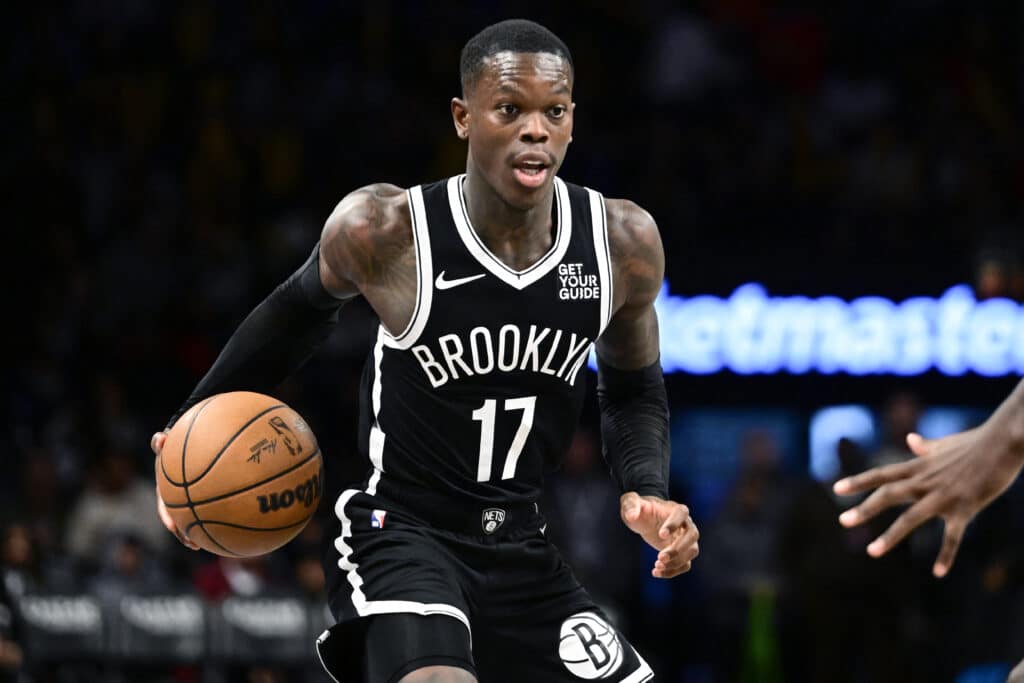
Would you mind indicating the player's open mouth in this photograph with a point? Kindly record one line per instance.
(532, 174)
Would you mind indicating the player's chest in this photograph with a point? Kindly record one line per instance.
(463, 296)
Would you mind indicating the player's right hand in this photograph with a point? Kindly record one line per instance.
(157, 444)
(954, 478)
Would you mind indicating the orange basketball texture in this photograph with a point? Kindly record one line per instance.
(241, 474)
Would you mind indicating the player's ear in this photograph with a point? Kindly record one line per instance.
(460, 117)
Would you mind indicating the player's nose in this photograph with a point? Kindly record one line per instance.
(535, 128)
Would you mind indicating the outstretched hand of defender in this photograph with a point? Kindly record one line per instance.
(954, 478)
(667, 527)
(157, 444)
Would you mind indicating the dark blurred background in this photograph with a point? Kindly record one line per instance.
(167, 164)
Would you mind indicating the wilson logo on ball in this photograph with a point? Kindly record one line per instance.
(305, 493)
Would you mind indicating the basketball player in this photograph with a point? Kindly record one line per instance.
(491, 288)
(955, 478)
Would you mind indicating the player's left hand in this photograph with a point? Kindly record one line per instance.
(667, 527)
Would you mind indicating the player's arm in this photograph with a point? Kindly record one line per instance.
(631, 393)
(286, 328)
(954, 478)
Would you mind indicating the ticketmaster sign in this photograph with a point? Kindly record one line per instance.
(752, 332)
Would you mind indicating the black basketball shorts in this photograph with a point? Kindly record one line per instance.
(502, 605)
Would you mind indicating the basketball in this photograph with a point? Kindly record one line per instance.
(241, 474)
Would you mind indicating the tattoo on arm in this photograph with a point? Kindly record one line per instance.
(631, 339)
(362, 241)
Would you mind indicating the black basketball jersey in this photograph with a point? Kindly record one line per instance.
(481, 392)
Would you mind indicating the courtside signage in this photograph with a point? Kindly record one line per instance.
(751, 332)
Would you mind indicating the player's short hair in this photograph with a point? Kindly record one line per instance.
(511, 35)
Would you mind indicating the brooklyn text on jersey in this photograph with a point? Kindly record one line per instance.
(552, 352)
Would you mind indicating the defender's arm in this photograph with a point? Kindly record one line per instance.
(955, 478)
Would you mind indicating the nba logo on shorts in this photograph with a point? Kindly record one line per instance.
(377, 519)
(589, 647)
(492, 519)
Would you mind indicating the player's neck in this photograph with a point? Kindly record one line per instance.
(497, 222)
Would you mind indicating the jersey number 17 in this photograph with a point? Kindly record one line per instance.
(486, 415)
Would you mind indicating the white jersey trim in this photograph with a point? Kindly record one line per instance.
(520, 279)
(599, 221)
(364, 607)
(424, 274)
(377, 436)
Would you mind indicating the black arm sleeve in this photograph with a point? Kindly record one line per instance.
(634, 427)
(275, 339)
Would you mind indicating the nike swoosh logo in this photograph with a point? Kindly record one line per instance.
(441, 283)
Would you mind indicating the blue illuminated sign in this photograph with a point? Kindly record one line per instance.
(754, 333)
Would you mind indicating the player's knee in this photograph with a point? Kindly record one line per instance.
(438, 674)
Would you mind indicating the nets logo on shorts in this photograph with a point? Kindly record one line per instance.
(589, 647)
(492, 519)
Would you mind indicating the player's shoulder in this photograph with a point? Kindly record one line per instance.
(372, 213)
(632, 230)
(638, 257)
(368, 230)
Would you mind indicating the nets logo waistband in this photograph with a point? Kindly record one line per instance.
(754, 333)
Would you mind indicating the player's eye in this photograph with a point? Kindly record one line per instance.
(508, 110)
(558, 111)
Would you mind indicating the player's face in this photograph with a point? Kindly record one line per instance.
(518, 120)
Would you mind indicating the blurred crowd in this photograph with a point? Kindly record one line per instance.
(168, 163)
